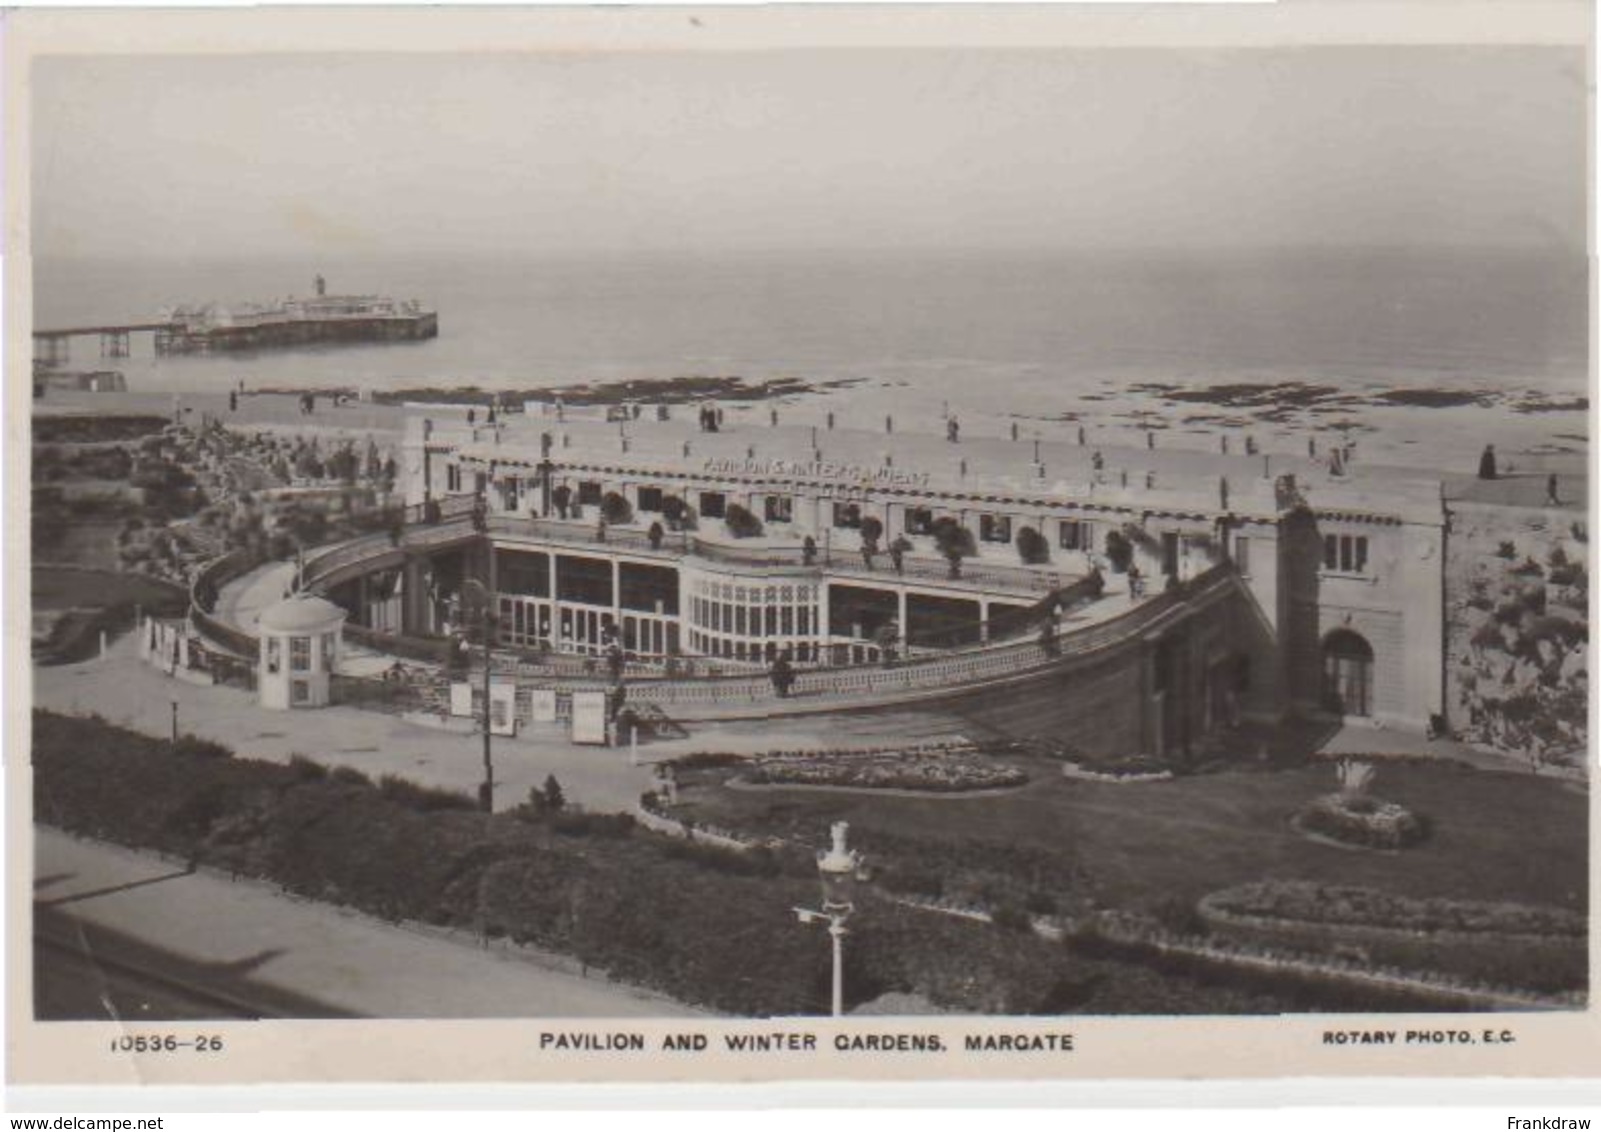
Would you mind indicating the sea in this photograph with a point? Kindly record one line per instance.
(1055, 336)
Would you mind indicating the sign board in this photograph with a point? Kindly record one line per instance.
(543, 705)
(461, 699)
(503, 709)
(589, 717)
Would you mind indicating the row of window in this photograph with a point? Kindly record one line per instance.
(1342, 553)
(731, 591)
(300, 653)
(1345, 554)
(753, 621)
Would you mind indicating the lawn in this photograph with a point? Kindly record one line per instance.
(60, 588)
(99, 599)
(1496, 836)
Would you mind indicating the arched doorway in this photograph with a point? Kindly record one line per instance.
(1347, 673)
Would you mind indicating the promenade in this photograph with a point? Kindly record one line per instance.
(126, 691)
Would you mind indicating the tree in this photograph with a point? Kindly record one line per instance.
(872, 530)
(343, 465)
(1032, 547)
(615, 508)
(1119, 551)
(954, 541)
(554, 799)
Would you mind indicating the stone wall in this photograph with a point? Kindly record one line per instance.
(1517, 629)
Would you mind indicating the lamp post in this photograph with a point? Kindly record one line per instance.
(838, 868)
(486, 791)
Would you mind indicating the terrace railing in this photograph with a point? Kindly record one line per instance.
(203, 591)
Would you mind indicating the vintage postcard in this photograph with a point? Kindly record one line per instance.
(744, 544)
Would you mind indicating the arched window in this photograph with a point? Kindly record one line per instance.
(1347, 673)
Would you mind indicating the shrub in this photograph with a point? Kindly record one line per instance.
(614, 508)
(1032, 546)
(1119, 551)
(1506, 550)
(1009, 917)
(1509, 613)
(872, 529)
(349, 776)
(1365, 822)
(953, 539)
(1528, 568)
(707, 760)
(1569, 574)
(194, 747)
(306, 770)
(740, 522)
(1487, 636)
(581, 824)
(423, 799)
(1370, 907)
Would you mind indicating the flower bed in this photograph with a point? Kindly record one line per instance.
(1135, 768)
(1358, 820)
(937, 768)
(1350, 905)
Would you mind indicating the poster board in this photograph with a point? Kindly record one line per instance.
(589, 718)
(503, 709)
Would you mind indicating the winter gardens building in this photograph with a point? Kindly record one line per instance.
(1139, 597)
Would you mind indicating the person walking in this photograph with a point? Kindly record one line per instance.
(1487, 463)
(1551, 499)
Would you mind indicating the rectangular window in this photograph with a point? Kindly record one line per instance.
(779, 508)
(1242, 554)
(452, 477)
(1076, 534)
(1345, 554)
(919, 520)
(480, 483)
(995, 528)
(589, 493)
(713, 504)
(848, 516)
(329, 649)
(300, 691)
(274, 654)
(300, 654)
(650, 499)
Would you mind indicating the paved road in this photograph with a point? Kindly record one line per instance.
(244, 942)
(126, 691)
(241, 601)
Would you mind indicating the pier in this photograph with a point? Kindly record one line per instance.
(54, 347)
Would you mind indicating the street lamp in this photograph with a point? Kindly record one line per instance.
(838, 868)
(486, 792)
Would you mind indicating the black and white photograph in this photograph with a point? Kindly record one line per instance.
(757, 543)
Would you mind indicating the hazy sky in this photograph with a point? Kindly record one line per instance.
(808, 149)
